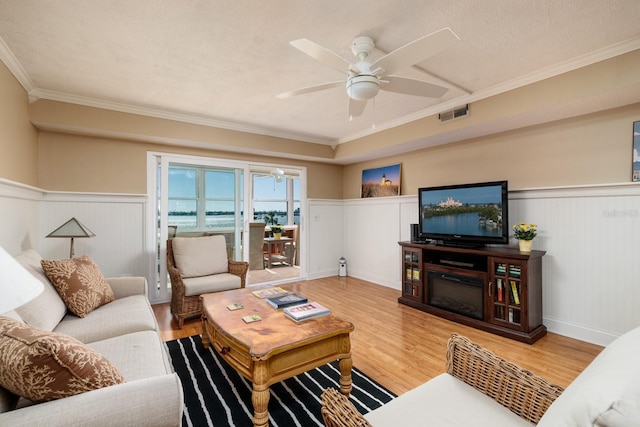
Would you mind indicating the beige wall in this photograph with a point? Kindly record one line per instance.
(93, 164)
(591, 149)
(18, 138)
(88, 149)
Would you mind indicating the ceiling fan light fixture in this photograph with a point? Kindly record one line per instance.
(278, 174)
(363, 87)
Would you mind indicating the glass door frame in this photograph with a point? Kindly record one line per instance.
(156, 243)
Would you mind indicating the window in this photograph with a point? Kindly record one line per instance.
(201, 198)
(282, 198)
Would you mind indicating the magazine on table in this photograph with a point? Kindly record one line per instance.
(270, 292)
(286, 300)
(306, 311)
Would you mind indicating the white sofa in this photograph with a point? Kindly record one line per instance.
(482, 389)
(124, 331)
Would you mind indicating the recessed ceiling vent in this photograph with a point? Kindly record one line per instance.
(456, 113)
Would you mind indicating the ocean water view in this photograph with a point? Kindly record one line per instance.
(185, 222)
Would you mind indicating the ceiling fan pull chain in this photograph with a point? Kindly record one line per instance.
(373, 126)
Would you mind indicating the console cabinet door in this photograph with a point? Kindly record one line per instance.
(508, 293)
(412, 274)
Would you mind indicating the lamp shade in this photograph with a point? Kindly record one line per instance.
(71, 229)
(17, 285)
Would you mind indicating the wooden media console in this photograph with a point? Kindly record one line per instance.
(496, 289)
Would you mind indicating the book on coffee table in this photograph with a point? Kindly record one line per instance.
(306, 311)
(270, 292)
(252, 318)
(286, 300)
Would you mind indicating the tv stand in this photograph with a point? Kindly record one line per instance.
(496, 289)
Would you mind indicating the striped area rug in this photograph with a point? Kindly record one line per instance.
(215, 395)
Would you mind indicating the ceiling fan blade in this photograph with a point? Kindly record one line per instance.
(324, 55)
(309, 89)
(412, 87)
(416, 51)
(356, 108)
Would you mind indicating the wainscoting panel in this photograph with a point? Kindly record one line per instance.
(117, 221)
(19, 228)
(372, 231)
(325, 237)
(591, 279)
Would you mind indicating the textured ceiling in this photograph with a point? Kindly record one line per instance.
(224, 62)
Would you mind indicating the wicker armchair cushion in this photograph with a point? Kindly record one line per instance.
(200, 256)
(214, 283)
(446, 397)
(604, 389)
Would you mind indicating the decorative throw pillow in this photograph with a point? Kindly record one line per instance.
(42, 366)
(80, 284)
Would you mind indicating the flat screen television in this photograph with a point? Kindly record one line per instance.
(465, 214)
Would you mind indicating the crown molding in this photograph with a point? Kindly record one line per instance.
(7, 56)
(10, 60)
(36, 94)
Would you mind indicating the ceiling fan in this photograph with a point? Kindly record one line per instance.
(365, 79)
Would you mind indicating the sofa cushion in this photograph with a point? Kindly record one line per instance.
(200, 256)
(608, 383)
(451, 403)
(47, 309)
(120, 317)
(214, 283)
(42, 366)
(80, 284)
(138, 355)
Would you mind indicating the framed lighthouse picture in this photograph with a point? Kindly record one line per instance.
(381, 182)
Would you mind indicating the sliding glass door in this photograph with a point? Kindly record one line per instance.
(197, 196)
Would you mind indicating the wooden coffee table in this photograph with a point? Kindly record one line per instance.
(274, 348)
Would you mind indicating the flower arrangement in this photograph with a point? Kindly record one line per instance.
(524, 231)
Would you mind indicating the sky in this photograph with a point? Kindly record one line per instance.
(465, 195)
(182, 183)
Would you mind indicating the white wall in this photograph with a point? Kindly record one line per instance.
(27, 215)
(19, 228)
(591, 271)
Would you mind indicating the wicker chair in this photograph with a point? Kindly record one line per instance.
(183, 305)
(522, 392)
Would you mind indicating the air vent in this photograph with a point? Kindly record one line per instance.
(456, 113)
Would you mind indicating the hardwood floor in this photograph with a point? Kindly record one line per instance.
(402, 347)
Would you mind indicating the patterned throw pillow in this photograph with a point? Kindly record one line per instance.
(42, 366)
(80, 284)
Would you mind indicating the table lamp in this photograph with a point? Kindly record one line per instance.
(72, 228)
(17, 285)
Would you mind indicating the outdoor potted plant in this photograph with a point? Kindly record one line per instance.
(525, 233)
(277, 230)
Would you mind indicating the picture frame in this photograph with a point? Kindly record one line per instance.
(381, 182)
(635, 161)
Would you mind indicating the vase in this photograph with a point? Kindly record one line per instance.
(277, 236)
(525, 245)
